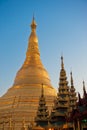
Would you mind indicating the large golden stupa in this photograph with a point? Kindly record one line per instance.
(19, 104)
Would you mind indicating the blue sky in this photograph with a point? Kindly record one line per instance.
(61, 29)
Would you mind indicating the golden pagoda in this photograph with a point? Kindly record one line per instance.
(21, 100)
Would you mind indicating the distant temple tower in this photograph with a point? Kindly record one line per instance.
(62, 103)
(21, 100)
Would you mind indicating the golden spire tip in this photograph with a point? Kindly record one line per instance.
(33, 24)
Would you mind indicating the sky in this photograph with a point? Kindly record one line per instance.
(61, 30)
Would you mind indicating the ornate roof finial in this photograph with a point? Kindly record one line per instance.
(71, 79)
(33, 24)
(84, 90)
(62, 64)
(33, 16)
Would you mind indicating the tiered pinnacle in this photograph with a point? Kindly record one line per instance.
(62, 104)
(73, 97)
(42, 116)
(82, 101)
(33, 53)
(84, 90)
(63, 90)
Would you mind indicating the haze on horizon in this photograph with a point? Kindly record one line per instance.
(61, 29)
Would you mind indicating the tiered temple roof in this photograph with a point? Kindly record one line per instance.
(73, 98)
(42, 116)
(62, 103)
(79, 114)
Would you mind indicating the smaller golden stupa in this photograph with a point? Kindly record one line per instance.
(21, 100)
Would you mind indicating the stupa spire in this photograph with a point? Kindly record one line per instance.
(33, 48)
(33, 24)
(32, 66)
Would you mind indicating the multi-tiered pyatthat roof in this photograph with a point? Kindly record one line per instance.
(42, 116)
(21, 100)
(62, 103)
(79, 115)
(73, 98)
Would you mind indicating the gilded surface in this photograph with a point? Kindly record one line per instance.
(32, 70)
(21, 100)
